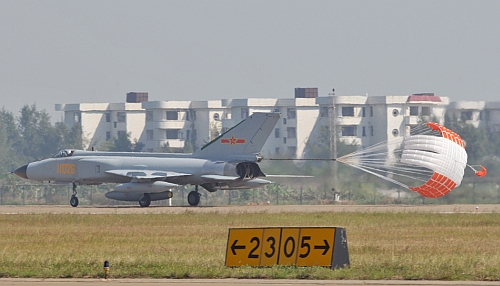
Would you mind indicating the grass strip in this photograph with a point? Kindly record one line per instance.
(192, 245)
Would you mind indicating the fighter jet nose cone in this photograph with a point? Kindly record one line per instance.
(21, 172)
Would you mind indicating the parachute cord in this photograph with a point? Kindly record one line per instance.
(378, 175)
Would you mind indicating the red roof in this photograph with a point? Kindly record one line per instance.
(431, 98)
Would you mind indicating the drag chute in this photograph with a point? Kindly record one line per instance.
(430, 160)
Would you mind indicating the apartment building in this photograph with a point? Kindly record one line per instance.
(177, 123)
(188, 125)
(102, 122)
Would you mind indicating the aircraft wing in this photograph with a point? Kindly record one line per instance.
(219, 177)
(146, 175)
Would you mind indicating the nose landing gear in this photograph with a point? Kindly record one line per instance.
(74, 200)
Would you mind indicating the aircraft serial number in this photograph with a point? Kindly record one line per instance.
(66, 169)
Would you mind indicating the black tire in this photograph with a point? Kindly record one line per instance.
(145, 201)
(73, 201)
(193, 198)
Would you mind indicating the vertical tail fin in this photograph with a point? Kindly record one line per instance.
(246, 137)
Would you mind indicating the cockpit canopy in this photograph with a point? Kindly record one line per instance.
(64, 153)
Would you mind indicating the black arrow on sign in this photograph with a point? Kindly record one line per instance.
(234, 247)
(325, 247)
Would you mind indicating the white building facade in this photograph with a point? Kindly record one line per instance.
(188, 125)
(102, 122)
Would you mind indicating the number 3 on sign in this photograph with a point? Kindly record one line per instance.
(270, 244)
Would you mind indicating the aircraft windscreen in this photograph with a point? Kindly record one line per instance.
(63, 153)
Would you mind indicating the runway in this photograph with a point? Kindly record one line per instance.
(55, 209)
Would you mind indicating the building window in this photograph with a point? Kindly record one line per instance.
(149, 115)
(108, 135)
(291, 150)
(114, 124)
(244, 113)
(347, 111)
(216, 116)
(121, 116)
(349, 130)
(291, 113)
(395, 112)
(395, 132)
(291, 132)
(413, 110)
(363, 111)
(149, 134)
(98, 169)
(284, 121)
(78, 117)
(466, 115)
(172, 115)
(426, 111)
(371, 130)
(364, 131)
(277, 150)
(284, 140)
(108, 117)
(371, 111)
(277, 110)
(277, 133)
(173, 133)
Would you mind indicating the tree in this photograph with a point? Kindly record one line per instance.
(9, 138)
(122, 143)
(39, 138)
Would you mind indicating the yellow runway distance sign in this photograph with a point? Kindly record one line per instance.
(299, 246)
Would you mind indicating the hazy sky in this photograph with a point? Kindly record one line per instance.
(97, 51)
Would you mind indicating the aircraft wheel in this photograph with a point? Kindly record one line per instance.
(145, 201)
(73, 201)
(193, 198)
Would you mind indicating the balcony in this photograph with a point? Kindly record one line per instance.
(348, 120)
(171, 124)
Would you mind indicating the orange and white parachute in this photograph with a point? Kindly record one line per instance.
(431, 154)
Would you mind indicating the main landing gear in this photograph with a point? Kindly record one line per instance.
(74, 200)
(194, 197)
(145, 201)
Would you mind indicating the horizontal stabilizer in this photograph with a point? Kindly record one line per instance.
(289, 176)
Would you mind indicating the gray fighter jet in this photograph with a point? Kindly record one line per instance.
(227, 162)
